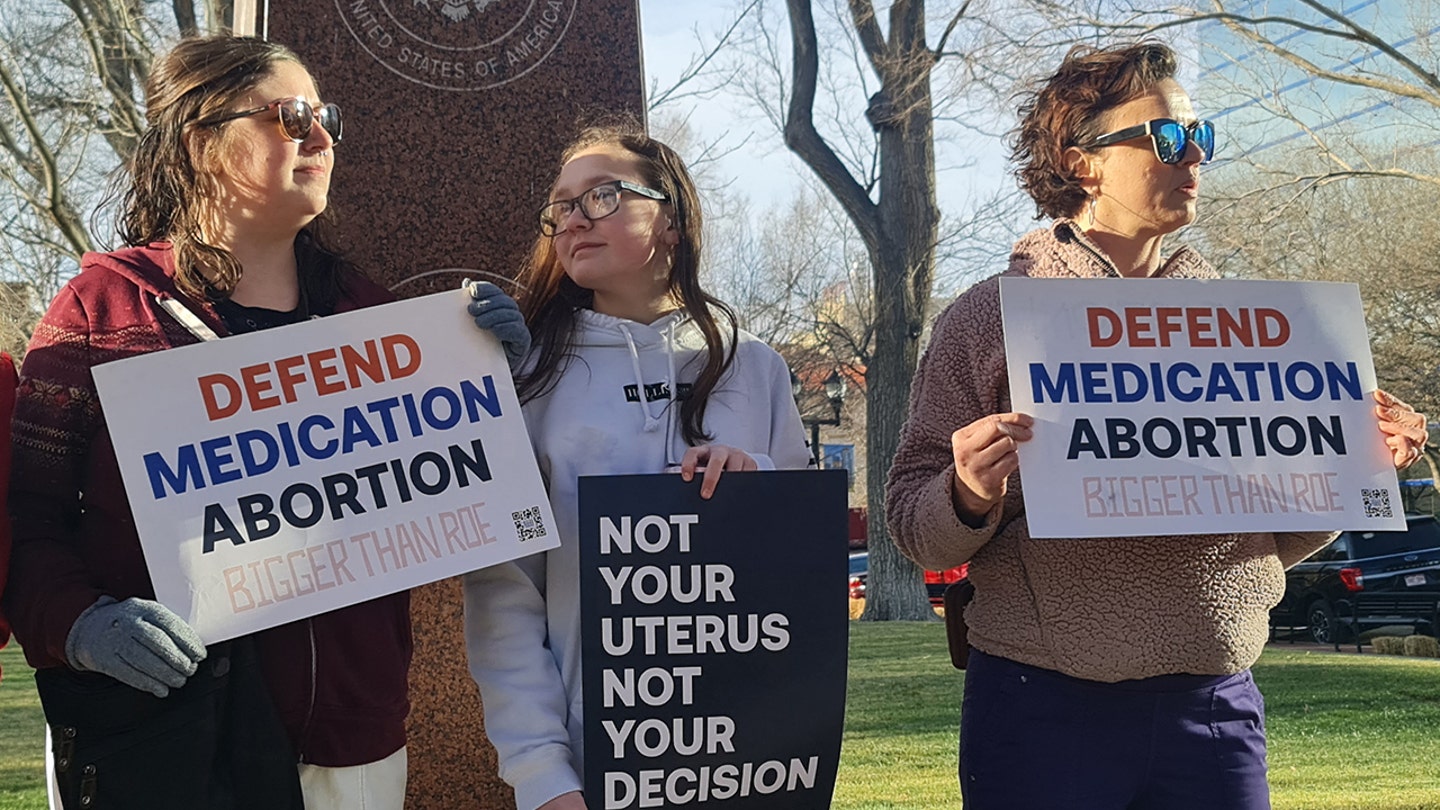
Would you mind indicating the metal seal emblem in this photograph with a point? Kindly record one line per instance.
(461, 45)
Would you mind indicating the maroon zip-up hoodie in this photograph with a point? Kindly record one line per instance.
(339, 680)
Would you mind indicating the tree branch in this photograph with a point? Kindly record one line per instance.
(867, 28)
(185, 17)
(1369, 38)
(40, 162)
(1431, 97)
(696, 66)
(949, 28)
(802, 137)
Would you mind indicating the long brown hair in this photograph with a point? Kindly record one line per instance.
(166, 195)
(549, 298)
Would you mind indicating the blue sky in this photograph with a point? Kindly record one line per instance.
(968, 167)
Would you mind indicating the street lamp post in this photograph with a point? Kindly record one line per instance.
(835, 394)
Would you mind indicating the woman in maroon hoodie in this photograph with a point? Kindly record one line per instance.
(219, 216)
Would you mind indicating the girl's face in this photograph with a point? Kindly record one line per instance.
(1139, 195)
(624, 258)
(268, 182)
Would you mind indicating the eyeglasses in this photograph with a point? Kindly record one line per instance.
(1169, 137)
(596, 203)
(296, 118)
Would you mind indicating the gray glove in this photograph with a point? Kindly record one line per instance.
(137, 642)
(498, 312)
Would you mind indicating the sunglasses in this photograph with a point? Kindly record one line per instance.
(1169, 137)
(296, 118)
(595, 203)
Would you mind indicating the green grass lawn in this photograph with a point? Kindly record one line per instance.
(1346, 732)
(22, 736)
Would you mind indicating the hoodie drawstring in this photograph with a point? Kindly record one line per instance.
(674, 405)
(652, 421)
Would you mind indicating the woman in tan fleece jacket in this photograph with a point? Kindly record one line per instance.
(1111, 673)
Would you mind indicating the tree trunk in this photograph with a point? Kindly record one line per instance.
(899, 231)
(904, 267)
(895, 588)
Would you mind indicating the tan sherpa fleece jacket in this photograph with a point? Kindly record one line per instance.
(1105, 609)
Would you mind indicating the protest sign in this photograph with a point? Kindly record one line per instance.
(1195, 407)
(713, 640)
(285, 473)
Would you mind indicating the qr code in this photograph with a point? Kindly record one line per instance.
(1377, 503)
(528, 525)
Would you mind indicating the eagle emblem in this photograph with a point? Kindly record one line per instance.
(455, 10)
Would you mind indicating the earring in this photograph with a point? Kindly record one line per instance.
(1091, 210)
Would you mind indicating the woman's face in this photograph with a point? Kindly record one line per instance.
(622, 257)
(269, 182)
(1137, 194)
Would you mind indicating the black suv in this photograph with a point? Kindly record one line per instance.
(1365, 580)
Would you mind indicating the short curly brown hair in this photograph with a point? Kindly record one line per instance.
(1065, 110)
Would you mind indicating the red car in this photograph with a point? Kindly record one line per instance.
(935, 581)
(859, 570)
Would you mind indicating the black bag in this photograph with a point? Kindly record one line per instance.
(957, 633)
(214, 744)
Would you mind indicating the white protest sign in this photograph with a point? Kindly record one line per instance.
(285, 473)
(1195, 407)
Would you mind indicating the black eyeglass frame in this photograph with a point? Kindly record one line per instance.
(1150, 128)
(551, 227)
(317, 115)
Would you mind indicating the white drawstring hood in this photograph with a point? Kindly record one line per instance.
(655, 357)
(604, 416)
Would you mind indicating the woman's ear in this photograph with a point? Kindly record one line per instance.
(671, 234)
(1083, 165)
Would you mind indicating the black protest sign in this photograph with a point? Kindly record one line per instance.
(714, 640)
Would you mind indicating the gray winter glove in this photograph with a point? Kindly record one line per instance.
(498, 312)
(137, 642)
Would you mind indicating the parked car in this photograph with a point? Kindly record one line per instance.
(859, 570)
(935, 581)
(1365, 580)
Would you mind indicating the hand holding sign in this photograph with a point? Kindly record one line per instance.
(985, 456)
(714, 459)
(292, 472)
(137, 642)
(1403, 426)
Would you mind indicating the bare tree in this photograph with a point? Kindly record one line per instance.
(885, 184)
(71, 77)
(1372, 232)
(841, 276)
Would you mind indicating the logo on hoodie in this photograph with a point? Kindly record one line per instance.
(458, 44)
(654, 391)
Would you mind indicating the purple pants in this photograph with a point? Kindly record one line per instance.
(1034, 739)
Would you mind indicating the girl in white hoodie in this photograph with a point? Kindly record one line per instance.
(635, 369)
